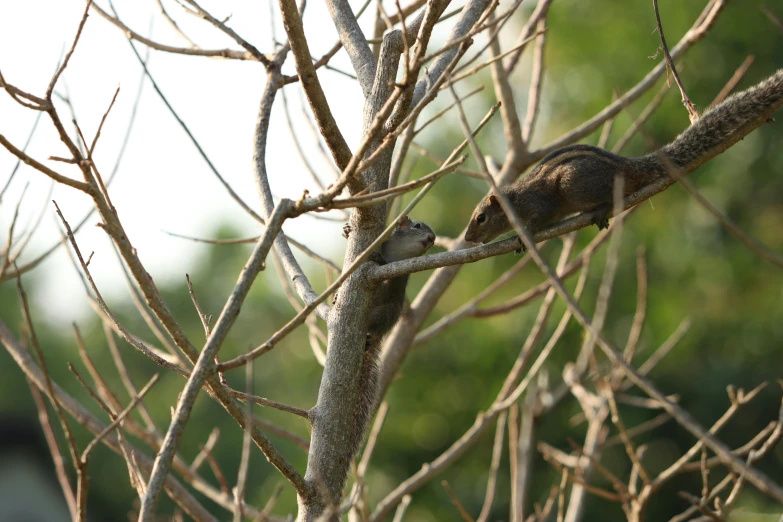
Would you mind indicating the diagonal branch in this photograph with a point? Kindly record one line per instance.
(505, 95)
(470, 16)
(204, 367)
(27, 160)
(312, 87)
(693, 114)
(258, 55)
(354, 41)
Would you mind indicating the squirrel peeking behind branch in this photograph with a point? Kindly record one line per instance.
(580, 178)
(409, 239)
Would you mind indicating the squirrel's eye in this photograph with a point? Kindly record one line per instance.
(417, 225)
(481, 218)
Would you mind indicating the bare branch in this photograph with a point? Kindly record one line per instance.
(258, 55)
(266, 402)
(539, 14)
(300, 246)
(752, 243)
(201, 315)
(19, 160)
(733, 81)
(469, 17)
(128, 337)
(51, 441)
(81, 477)
(118, 419)
(192, 138)
(290, 265)
(204, 366)
(536, 79)
(312, 87)
(497, 452)
(355, 43)
(244, 463)
(391, 193)
(641, 119)
(173, 487)
(693, 114)
(40, 167)
(206, 448)
(454, 500)
(772, 18)
(505, 95)
(298, 144)
(190, 51)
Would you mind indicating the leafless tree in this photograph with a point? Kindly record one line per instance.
(401, 72)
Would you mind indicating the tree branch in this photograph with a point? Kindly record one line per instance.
(289, 262)
(354, 42)
(205, 365)
(312, 87)
(190, 51)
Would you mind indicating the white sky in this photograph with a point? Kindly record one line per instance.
(162, 183)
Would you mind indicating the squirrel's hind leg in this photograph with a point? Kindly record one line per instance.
(600, 216)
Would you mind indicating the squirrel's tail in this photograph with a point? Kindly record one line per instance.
(368, 393)
(726, 124)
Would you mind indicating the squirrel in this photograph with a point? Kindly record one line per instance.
(409, 239)
(580, 178)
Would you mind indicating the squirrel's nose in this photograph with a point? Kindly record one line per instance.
(431, 237)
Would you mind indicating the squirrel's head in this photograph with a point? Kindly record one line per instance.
(409, 239)
(488, 221)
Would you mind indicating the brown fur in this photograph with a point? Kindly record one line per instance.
(580, 178)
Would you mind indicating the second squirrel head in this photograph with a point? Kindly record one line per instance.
(409, 239)
(488, 221)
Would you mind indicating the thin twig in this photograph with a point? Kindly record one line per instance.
(752, 243)
(244, 463)
(497, 453)
(18, 160)
(126, 335)
(454, 500)
(693, 114)
(772, 18)
(214, 435)
(190, 51)
(258, 55)
(201, 315)
(81, 477)
(190, 135)
(118, 419)
(266, 402)
(733, 81)
(536, 79)
(51, 441)
(248, 240)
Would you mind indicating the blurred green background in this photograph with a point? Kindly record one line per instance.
(695, 269)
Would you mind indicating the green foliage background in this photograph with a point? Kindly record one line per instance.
(696, 270)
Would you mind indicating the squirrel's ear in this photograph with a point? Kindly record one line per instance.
(493, 200)
(406, 221)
